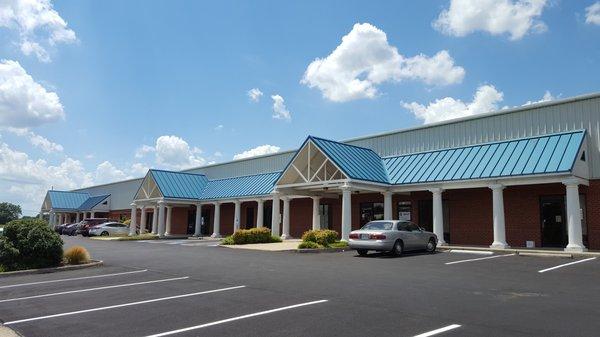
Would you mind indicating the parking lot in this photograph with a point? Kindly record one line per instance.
(194, 288)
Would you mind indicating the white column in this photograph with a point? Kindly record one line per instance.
(161, 218)
(286, 218)
(316, 219)
(155, 220)
(387, 206)
(133, 224)
(168, 229)
(260, 213)
(60, 218)
(217, 221)
(346, 212)
(143, 220)
(92, 214)
(574, 229)
(438, 215)
(198, 229)
(77, 217)
(237, 215)
(275, 216)
(499, 224)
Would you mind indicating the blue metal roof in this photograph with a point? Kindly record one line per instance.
(356, 162)
(67, 200)
(179, 185)
(554, 153)
(253, 185)
(91, 202)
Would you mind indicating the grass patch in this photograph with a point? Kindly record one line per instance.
(137, 237)
(339, 244)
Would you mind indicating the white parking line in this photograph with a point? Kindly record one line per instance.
(566, 264)
(72, 279)
(439, 331)
(94, 289)
(121, 305)
(465, 251)
(172, 332)
(480, 258)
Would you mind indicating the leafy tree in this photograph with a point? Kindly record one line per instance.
(9, 212)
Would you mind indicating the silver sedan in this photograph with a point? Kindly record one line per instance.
(393, 236)
(110, 229)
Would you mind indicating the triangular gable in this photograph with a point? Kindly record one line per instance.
(310, 164)
(148, 188)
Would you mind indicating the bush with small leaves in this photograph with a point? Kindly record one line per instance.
(309, 245)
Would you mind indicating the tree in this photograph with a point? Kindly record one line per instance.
(9, 212)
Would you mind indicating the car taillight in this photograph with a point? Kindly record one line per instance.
(353, 236)
(377, 237)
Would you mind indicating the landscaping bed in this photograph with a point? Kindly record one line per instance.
(321, 240)
(250, 236)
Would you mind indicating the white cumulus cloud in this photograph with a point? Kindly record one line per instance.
(280, 111)
(497, 17)
(36, 140)
(257, 151)
(592, 14)
(365, 59)
(173, 153)
(486, 99)
(254, 94)
(24, 102)
(546, 98)
(37, 24)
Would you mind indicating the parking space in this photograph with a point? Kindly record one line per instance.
(163, 289)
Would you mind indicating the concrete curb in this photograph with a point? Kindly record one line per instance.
(8, 332)
(94, 263)
(321, 250)
(523, 252)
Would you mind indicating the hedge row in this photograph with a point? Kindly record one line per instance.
(253, 235)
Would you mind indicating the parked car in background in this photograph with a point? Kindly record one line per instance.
(392, 236)
(60, 227)
(86, 224)
(71, 229)
(109, 229)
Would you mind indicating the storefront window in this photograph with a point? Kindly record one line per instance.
(405, 211)
(324, 216)
(370, 211)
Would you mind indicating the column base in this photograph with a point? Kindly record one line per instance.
(286, 237)
(215, 236)
(442, 243)
(575, 249)
(499, 245)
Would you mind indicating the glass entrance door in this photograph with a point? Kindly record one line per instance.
(552, 216)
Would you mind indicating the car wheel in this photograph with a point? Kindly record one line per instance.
(398, 248)
(431, 245)
(105, 233)
(362, 252)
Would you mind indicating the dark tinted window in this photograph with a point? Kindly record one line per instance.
(403, 226)
(412, 227)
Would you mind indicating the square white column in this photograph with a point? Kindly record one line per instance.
(168, 229)
(260, 213)
(77, 217)
(346, 212)
(286, 218)
(438, 215)
(161, 219)
(237, 215)
(133, 224)
(387, 206)
(574, 229)
(217, 221)
(155, 220)
(198, 228)
(275, 215)
(316, 217)
(499, 224)
(143, 220)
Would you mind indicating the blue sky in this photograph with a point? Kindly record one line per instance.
(132, 72)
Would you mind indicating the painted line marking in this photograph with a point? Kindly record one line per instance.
(122, 305)
(566, 264)
(260, 313)
(94, 289)
(73, 279)
(439, 331)
(465, 251)
(480, 258)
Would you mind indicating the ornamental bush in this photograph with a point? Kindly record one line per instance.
(30, 243)
(309, 245)
(253, 235)
(323, 237)
(77, 255)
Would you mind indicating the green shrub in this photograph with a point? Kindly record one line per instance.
(323, 237)
(30, 243)
(309, 245)
(2, 269)
(253, 235)
(339, 244)
(77, 255)
(228, 241)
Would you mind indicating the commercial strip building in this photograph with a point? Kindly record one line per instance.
(528, 176)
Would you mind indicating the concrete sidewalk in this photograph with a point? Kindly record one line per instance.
(523, 251)
(286, 245)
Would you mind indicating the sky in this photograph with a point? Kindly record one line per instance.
(99, 91)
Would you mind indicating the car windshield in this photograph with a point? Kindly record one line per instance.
(378, 225)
